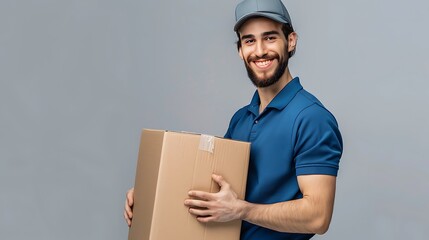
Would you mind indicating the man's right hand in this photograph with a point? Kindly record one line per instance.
(129, 202)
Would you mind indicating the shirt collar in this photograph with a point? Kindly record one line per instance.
(281, 100)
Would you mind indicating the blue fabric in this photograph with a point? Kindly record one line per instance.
(295, 135)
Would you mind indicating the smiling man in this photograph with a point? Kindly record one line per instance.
(296, 144)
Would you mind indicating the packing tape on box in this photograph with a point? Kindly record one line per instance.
(207, 143)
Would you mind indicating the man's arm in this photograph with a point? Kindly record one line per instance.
(310, 214)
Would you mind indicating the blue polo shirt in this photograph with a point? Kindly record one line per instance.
(295, 135)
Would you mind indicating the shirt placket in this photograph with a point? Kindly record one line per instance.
(256, 126)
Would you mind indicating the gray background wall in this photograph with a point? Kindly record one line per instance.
(79, 79)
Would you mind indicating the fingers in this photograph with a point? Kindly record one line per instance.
(209, 196)
(200, 204)
(201, 212)
(129, 202)
(202, 215)
(128, 210)
(127, 219)
(201, 195)
(209, 207)
(206, 219)
(219, 180)
(130, 197)
(201, 209)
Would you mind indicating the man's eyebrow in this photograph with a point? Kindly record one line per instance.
(247, 36)
(270, 33)
(263, 34)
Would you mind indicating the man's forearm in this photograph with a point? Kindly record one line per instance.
(296, 216)
(310, 214)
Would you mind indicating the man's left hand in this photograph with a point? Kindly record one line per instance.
(222, 206)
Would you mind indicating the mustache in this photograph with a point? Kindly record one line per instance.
(264, 57)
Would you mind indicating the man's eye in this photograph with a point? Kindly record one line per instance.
(270, 38)
(249, 41)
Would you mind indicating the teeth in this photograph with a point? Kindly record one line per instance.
(263, 63)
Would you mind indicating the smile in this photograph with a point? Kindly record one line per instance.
(263, 64)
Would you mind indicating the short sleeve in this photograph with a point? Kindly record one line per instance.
(228, 133)
(233, 122)
(318, 143)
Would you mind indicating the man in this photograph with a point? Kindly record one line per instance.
(296, 145)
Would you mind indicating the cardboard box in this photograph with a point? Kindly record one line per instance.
(169, 165)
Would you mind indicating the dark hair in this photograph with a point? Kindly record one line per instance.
(286, 29)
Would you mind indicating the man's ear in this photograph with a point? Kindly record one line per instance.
(292, 39)
(240, 53)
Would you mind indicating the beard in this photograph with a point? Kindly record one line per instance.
(270, 80)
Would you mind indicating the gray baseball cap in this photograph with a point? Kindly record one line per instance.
(272, 9)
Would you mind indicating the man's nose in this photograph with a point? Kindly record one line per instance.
(260, 50)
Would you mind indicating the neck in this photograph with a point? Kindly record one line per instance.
(267, 94)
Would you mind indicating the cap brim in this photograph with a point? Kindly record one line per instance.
(271, 16)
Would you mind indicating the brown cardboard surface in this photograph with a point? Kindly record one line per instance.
(169, 165)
